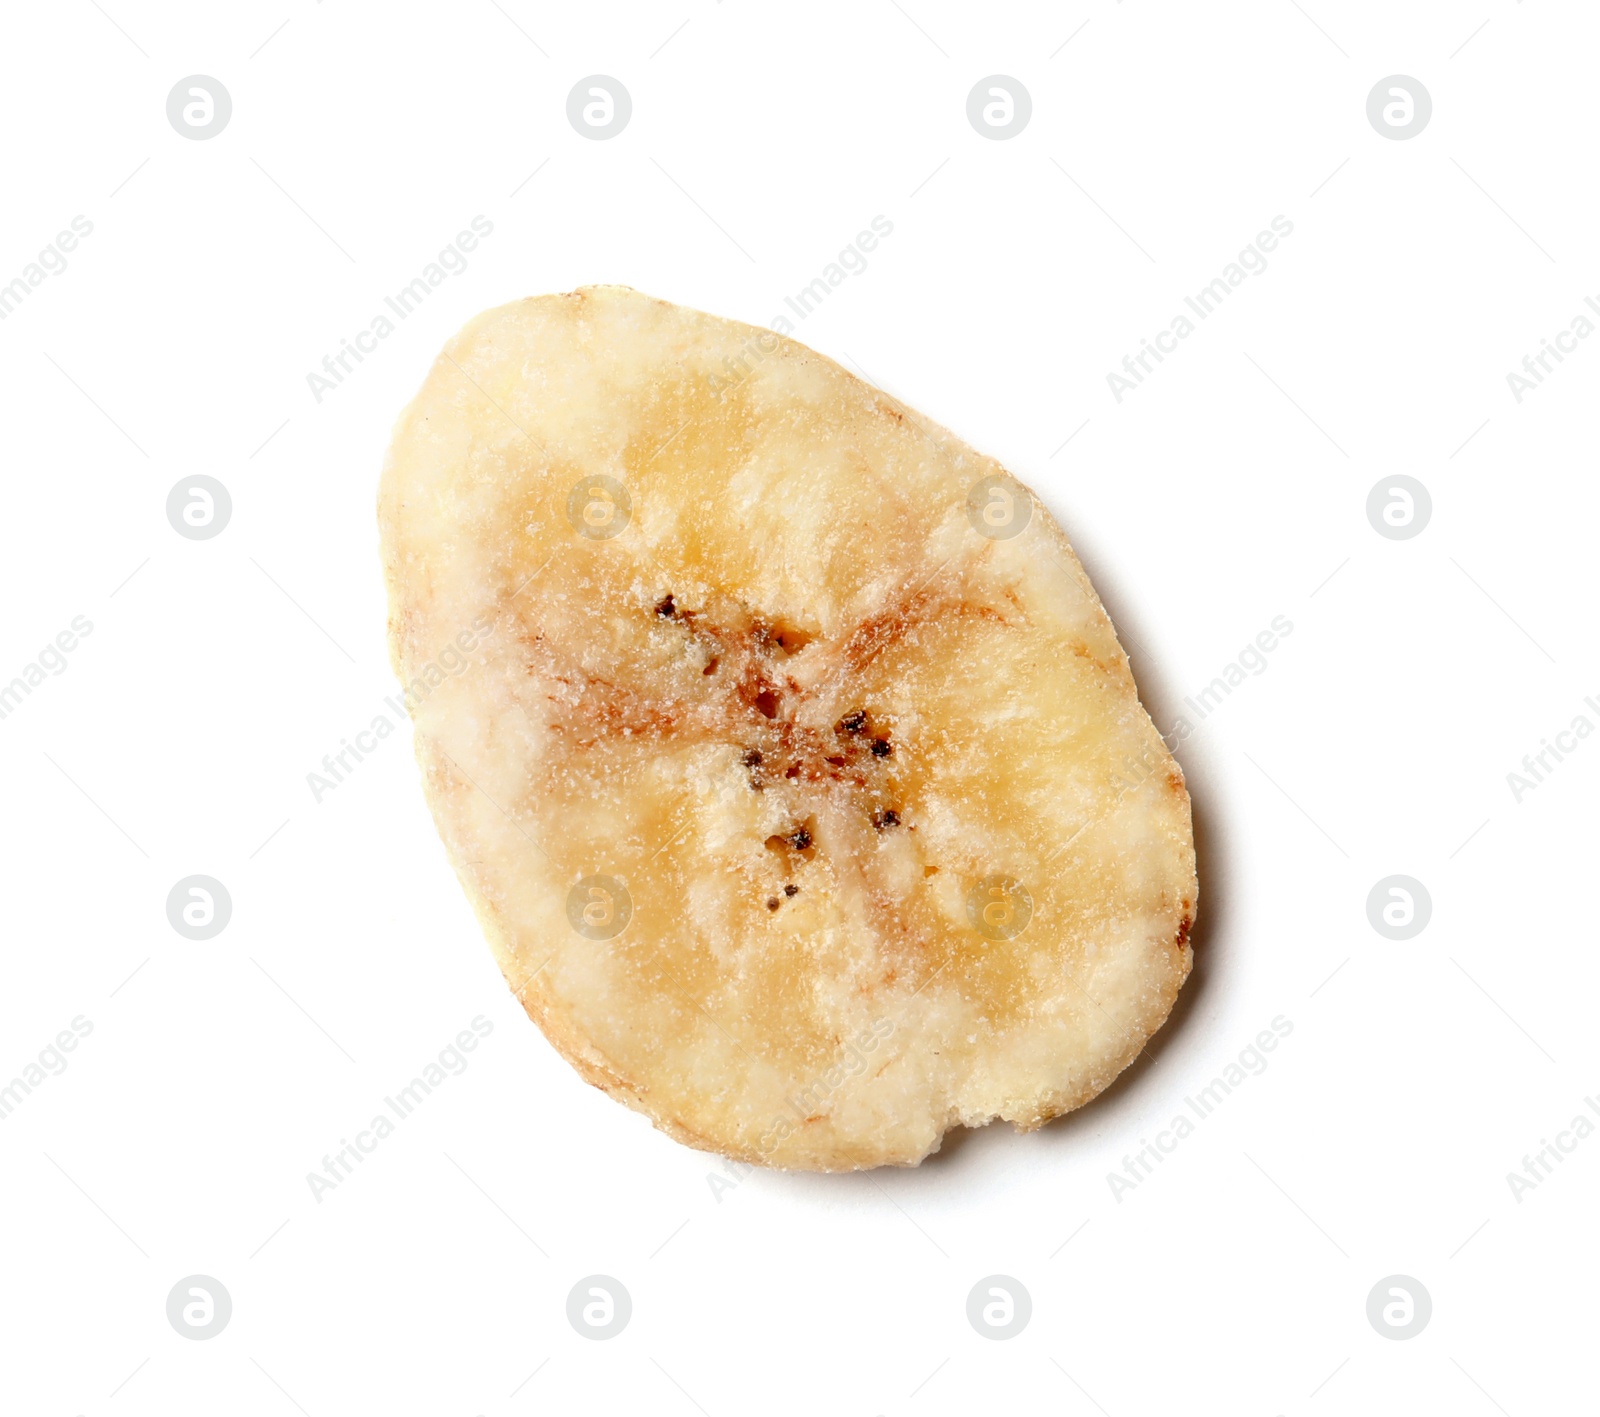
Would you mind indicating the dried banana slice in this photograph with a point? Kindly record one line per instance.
(778, 738)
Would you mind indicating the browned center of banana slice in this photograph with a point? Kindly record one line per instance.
(778, 738)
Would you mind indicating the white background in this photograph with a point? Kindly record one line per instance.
(1225, 491)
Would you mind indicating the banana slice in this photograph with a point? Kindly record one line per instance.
(778, 738)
